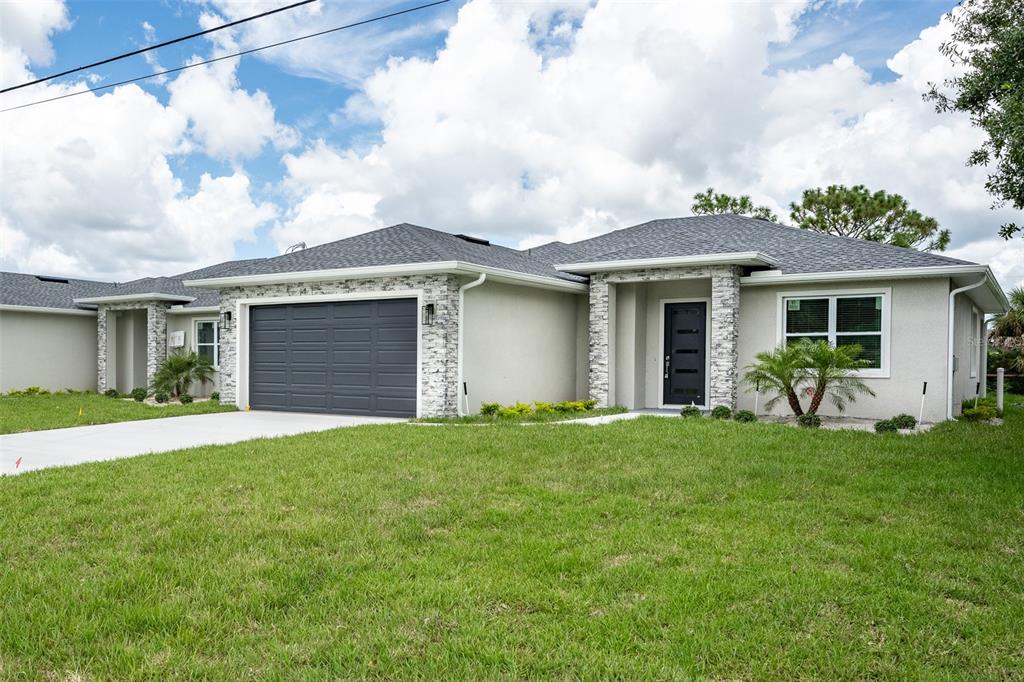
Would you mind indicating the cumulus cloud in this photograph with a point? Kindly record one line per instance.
(499, 134)
(89, 190)
(28, 27)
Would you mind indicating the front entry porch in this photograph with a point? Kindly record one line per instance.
(131, 343)
(664, 338)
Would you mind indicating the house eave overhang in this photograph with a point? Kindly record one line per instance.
(756, 258)
(123, 298)
(994, 302)
(45, 309)
(194, 310)
(370, 272)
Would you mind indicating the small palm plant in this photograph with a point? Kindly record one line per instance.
(780, 371)
(1011, 323)
(179, 371)
(825, 372)
(831, 373)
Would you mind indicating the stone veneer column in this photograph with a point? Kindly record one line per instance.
(725, 307)
(101, 348)
(156, 337)
(438, 342)
(599, 364)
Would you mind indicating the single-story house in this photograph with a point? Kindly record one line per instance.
(408, 321)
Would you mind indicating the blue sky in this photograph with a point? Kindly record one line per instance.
(465, 117)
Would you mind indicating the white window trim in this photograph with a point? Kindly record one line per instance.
(707, 351)
(885, 292)
(216, 345)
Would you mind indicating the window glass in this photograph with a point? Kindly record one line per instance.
(807, 315)
(870, 345)
(208, 340)
(859, 314)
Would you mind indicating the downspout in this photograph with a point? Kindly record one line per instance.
(949, 348)
(462, 401)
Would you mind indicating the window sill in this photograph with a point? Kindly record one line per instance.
(871, 374)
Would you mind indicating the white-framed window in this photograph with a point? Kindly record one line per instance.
(843, 319)
(207, 339)
(975, 342)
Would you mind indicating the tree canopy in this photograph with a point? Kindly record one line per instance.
(712, 202)
(988, 45)
(875, 216)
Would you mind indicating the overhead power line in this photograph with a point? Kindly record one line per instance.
(157, 46)
(228, 56)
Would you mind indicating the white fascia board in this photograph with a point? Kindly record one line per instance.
(775, 277)
(198, 310)
(736, 258)
(43, 309)
(152, 296)
(370, 272)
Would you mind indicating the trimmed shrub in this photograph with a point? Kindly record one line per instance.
(886, 426)
(160, 397)
(904, 421)
(721, 412)
(980, 413)
(215, 396)
(139, 394)
(543, 408)
(745, 416)
(110, 392)
(690, 411)
(589, 404)
(809, 421)
(31, 390)
(571, 406)
(987, 402)
(490, 409)
(185, 398)
(516, 411)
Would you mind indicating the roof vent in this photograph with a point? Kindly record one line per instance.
(473, 240)
(54, 280)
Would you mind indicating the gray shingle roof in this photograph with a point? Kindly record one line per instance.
(397, 245)
(22, 289)
(797, 250)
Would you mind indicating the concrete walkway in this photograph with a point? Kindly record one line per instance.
(60, 447)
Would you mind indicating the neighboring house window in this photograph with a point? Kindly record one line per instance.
(208, 340)
(842, 320)
(975, 342)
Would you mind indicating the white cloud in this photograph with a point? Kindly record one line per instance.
(499, 135)
(27, 26)
(88, 187)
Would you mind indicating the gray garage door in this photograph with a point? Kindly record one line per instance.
(352, 357)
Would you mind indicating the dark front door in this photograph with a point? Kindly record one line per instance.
(349, 357)
(685, 353)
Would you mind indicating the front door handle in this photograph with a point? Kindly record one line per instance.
(668, 358)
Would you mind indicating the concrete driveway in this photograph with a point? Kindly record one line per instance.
(61, 447)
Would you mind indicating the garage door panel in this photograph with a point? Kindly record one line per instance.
(349, 357)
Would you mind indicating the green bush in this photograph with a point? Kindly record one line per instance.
(31, 390)
(809, 421)
(490, 409)
(721, 412)
(988, 402)
(180, 370)
(185, 398)
(160, 397)
(589, 404)
(515, 411)
(886, 426)
(139, 394)
(215, 396)
(904, 421)
(572, 406)
(690, 411)
(110, 393)
(543, 408)
(979, 414)
(745, 416)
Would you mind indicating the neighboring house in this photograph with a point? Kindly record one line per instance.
(410, 321)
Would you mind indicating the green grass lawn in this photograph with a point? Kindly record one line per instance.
(656, 548)
(60, 410)
(531, 418)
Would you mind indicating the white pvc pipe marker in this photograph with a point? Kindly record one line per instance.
(999, 388)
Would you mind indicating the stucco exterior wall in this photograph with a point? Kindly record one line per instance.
(52, 351)
(438, 341)
(521, 343)
(187, 323)
(966, 343)
(130, 335)
(917, 345)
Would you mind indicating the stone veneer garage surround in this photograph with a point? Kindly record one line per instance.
(438, 393)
